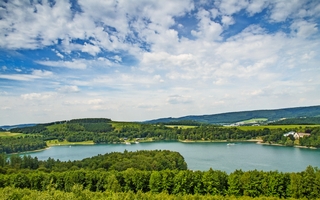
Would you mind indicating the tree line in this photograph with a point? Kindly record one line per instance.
(78, 192)
(277, 136)
(105, 131)
(21, 144)
(305, 184)
(141, 160)
(300, 120)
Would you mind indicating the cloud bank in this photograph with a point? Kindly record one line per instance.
(149, 59)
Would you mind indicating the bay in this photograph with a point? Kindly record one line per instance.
(203, 156)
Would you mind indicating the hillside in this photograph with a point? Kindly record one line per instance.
(233, 117)
(8, 127)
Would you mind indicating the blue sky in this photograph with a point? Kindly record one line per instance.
(147, 59)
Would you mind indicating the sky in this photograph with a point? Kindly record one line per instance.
(147, 59)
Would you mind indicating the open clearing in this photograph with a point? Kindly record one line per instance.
(8, 134)
(181, 126)
(247, 128)
(57, 143)
(254, 120)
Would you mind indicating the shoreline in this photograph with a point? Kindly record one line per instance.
(218, 141)
(257, 141)
(281, 145)
(37, 150)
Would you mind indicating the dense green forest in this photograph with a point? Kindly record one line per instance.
(171, 180)
(300, 121)
(78, 193)
(21, 144)
(141, 160)
(99, 130)
(309, 141)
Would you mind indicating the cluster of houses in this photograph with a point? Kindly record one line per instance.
(296, 135)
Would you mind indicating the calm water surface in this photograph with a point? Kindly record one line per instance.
(203, 156)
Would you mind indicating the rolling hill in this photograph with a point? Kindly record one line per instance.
(234, 117)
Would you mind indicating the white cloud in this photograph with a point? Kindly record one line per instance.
(95, 101)
(37, 96)
(68, 89)
(177, 99)
(25, 28)
(231, 6)
(207, 29)
(257, 6)
(74, 64)
(227, 20)
(36, 74)
(142, 51)
(284, 9)
(41, 73)
(91, 49)
(118, 58)
(60, 55)
(303, 29)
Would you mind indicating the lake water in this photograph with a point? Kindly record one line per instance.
(203, 156)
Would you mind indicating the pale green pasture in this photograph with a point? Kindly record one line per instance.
(254, 120)
(247, 128)
(9, 134)
(57, 143)
(181, 126)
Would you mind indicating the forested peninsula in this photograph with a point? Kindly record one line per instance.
(105, 131)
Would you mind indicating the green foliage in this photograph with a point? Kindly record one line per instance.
(299, 120)
(165, 184)
(183, 122)
(313, 140)
(277, 136)
(141, 160)
(79, 193)
(21, 144)
(106, 131)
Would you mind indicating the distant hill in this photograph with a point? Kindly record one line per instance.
(8, 127)
(234, 117)
(299, 120)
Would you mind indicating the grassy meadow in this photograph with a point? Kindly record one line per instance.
(248, 128)
(181, 126)
(8, 134)
(57, 143)
(254, 120)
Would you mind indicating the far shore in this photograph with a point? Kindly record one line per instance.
(281, 145)
(65, 143)
(37, 150)
(257, 141)
(219, 141)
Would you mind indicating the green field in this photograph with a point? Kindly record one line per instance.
(119, 125)
(254, 120)
(181, 126)
(8, 134)
(57, 143)
(248, 128)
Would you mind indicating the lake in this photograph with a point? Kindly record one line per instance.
(203, 156)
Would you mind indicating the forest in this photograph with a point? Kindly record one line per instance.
(309, 141)
(81, 179)
(100, 130)
(141, 160)
(300, 120)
